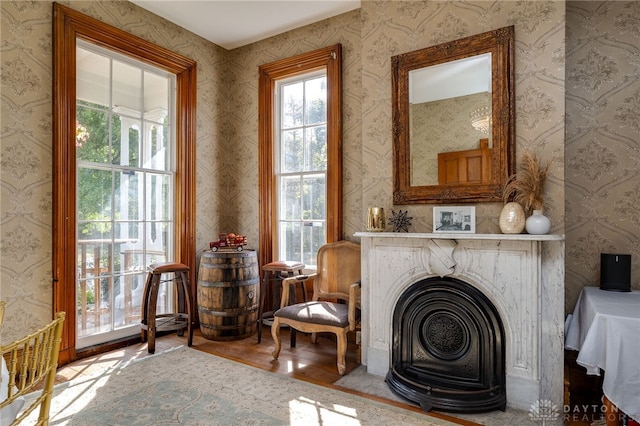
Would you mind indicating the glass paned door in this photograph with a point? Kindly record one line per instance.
(125, 174)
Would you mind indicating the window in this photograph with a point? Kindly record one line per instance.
(124, 146)
(71, 29)
(300, 155)
(301, 166)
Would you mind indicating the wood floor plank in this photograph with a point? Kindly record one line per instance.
(307, 361)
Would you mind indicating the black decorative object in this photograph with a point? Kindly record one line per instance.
(400, 221)
(615, 272)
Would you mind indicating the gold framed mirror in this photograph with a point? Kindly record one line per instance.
(453, 120)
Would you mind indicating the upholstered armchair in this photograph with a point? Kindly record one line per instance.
(335, 305)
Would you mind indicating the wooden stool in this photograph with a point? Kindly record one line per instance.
(273, 272)
(151, 322)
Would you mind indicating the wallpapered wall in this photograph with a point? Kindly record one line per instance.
(390, 28)
(602, 146)
(242, 139)
(227, 122)
(26, 152)
(227, 119)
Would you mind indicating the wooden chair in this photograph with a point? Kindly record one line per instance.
(336, 280)
(31, 361)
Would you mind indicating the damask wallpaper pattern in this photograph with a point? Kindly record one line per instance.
(242, 139)
(602, 146)
(26, 151)
(391, 27)
(600, 130)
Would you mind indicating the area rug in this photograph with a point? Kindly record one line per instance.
(361, 381)
(185, 386)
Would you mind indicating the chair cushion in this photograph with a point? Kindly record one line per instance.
(327, 313)
(283, 265)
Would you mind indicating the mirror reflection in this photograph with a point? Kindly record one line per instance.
(453, 120)
(448, 102)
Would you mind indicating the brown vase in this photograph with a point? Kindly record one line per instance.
(512, 219)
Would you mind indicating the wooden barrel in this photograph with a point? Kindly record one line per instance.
(228, 294)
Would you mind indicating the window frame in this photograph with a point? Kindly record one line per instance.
(69, 25)
(329, 58)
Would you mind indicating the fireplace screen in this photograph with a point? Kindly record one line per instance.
(448, 348)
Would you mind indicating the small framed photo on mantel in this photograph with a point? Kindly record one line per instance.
(458, 219)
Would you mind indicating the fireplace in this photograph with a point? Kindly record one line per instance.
(520, 276)
(448, 348)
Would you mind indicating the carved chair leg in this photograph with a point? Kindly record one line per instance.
(342, 352)
(314, 337)
(275, 333)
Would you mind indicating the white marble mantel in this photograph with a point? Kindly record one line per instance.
(523, 276)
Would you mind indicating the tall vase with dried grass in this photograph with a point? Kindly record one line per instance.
(526, 187)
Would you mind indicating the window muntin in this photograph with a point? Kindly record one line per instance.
(301, 165)
(125, 173)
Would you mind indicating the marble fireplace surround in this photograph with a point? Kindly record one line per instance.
(523, 276)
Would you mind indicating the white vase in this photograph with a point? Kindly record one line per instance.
(512, 218)
(537, 223)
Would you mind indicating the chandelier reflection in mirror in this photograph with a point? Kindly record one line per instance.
(481, 119)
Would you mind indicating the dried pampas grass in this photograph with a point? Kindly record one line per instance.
(526, 186)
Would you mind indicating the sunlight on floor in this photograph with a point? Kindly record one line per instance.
(291, 366)
(78, 395)
(305, 411)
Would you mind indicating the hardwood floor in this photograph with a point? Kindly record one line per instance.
(307, 362)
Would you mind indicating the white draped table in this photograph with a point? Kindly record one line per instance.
(605, 329)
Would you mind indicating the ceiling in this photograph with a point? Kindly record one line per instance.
(235, 23)
(452, 79)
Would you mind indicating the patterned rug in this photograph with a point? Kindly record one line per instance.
(188, 387)
(361, 381)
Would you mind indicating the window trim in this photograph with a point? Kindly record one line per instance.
(329, 58)
(69, 25)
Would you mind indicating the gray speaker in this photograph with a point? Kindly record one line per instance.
(615, 272)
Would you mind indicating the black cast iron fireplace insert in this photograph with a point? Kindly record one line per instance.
(448, 348)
